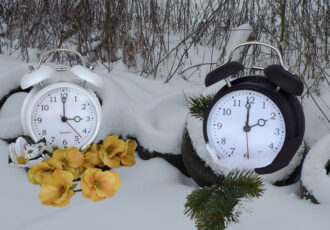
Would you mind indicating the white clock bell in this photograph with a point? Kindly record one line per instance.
(64, 113)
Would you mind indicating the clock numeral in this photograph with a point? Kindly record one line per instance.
(250, 100)
(64, 95)
(277, 131)
(76, 138)
(52, 99)
(226, 111)
(219, 125)
(223, 141)
(84, 130)
(272, 116)
(271, 146)
(65, 142)
(75, 98)
(39, 120)
(232, 151)
(44, 132)
(246, 155)
(52, 139)
(88, 118)
(44, 107)
(237, 103)
(264, 105)
(83, 106)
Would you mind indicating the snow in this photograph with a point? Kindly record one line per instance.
(34, 77)
(313, 175)
(237, 36)
(316, 124)
(87, 75)
(153, 192)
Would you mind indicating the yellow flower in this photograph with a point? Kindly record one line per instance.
(43, 169)
(109, 150)
(97, 185)
(91, 156)
(56, 189)
(127, 156)
(71, 160)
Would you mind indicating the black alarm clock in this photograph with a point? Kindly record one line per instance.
(253, 122)
(256, 121)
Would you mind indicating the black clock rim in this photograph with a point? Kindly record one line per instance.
(281, 99)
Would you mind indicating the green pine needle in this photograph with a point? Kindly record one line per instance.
(248, 180)
(198, 105)
(214, 207)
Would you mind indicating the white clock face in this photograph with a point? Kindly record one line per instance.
(65, 115)
(245, 129)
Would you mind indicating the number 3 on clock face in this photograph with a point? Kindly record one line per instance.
(64, 114)
(245, 128)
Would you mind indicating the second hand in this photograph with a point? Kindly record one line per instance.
(72, 128)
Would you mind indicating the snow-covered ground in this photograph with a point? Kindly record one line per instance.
(153, 192)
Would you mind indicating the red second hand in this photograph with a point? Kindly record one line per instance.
(72, 128)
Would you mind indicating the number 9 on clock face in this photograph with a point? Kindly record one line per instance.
(245, 129)
(64, 114)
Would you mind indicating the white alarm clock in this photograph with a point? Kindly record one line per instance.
(64, 113)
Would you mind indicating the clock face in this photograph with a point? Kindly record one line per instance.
(245, 129)
(66, 115)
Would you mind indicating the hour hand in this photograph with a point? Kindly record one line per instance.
(261, 122)
(76, 119)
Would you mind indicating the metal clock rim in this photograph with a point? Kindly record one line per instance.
(34, 99)
(256, 43)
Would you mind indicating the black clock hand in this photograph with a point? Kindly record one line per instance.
(246, 127)
(63, 117)
(261, 122)
(76, 119)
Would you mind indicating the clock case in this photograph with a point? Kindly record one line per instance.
(279, 85)
(36, 78)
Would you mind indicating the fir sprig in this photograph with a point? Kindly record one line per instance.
(214, 207)
(198, 105)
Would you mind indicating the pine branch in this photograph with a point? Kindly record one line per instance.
(198, 105)
(214, 207)
(247, 180)
(196, 200)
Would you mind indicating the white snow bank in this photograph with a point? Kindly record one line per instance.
(238, 35)
(313, 175)
(316, 124)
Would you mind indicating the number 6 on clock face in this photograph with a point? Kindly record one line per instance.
(64, 114)
(245, 128)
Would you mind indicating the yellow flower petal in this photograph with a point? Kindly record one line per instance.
(55, 189)
(43, 169)
(109, 150)
(128, 160)
(97, 185)
(70, 158)
(91, 156)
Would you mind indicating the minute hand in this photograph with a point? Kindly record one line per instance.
(248, 106)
